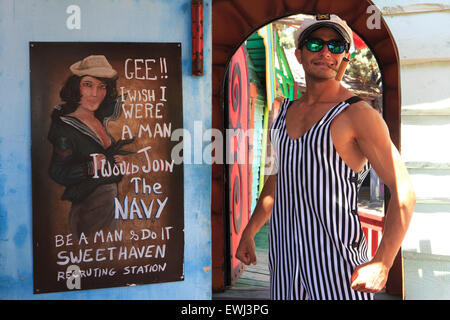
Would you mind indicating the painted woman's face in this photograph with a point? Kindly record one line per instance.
(93, 91)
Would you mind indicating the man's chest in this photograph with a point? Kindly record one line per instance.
(301, 122)
(300, 118)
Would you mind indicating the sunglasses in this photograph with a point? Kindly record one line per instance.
(334, 46)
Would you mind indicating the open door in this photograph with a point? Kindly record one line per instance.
(237, 147)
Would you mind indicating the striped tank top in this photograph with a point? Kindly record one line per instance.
(315, 238)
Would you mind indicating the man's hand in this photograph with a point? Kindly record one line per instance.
(370, 277)
(246, 251)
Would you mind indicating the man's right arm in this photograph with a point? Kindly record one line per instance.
(246, 249)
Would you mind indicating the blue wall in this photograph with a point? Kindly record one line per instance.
(106, 21)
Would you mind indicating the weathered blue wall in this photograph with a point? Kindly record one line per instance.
(107, 21)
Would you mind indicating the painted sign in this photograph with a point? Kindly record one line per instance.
(107, 195)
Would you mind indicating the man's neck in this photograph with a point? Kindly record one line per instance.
(318, 91)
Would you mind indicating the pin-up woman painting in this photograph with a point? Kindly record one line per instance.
(78, 131)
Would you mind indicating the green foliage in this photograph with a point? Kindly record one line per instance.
(286, 40)
(364, 67)
(286, 35)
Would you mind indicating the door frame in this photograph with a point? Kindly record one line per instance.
(232, 23)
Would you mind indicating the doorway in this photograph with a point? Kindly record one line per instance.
(233, 23)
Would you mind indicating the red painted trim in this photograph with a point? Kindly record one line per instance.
(197, 37)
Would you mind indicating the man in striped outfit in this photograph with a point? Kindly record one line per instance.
(326, 142)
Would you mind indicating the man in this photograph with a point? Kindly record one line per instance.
(326, 142)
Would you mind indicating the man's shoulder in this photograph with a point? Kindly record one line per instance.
(364, 119)
(361, 109)
(357, 116)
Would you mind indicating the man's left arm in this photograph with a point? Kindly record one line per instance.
(372, 136)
